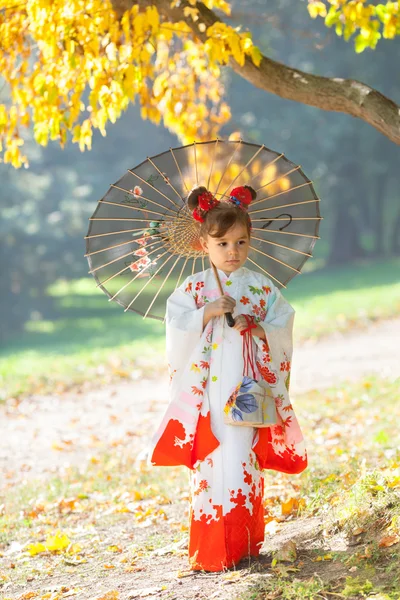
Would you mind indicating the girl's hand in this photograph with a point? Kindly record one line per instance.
(222, 305)
(240, 323)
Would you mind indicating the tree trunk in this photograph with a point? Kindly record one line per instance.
(345, 244)
(327, 93)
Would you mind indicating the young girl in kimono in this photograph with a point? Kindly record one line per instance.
(206, 363)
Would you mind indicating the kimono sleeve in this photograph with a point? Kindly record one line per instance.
(182, 312)
(278, 328)
(280, 447)
(184, 327)
(185, 435)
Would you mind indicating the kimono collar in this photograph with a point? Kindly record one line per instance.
(234, 275)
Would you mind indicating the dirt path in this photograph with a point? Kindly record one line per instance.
(46, 434)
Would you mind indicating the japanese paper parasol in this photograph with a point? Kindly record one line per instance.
(143, 241)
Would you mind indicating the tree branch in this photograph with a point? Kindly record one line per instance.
(331, 94)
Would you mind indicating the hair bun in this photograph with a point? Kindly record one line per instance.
(252, 191)
(193, 196)
(243, 195)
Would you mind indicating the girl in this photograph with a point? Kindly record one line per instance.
(206, 365)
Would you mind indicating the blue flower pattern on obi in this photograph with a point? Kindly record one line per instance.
(244, 403)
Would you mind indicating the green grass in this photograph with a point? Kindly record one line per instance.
(334, 423)
(94, 339)
(339, 298)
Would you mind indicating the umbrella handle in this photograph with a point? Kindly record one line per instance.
(229, 318)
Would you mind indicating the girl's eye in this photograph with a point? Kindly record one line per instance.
(222, 244)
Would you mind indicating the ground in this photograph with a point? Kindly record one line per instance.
(137, 529)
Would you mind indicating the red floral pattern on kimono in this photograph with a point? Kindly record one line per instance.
(226, 461)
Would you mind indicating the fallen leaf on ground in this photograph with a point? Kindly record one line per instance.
(181, 574)
(284, 571)
(232, 577)
(114, 595)
(54, 543)
(287, 553)
(389, 540)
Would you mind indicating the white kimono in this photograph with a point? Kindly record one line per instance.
(206, 366)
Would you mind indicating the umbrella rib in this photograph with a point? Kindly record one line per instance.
(266, 272)
(165, 178)
(122, 219)
(153, 188)
(180, 274)
(202, 262)
(115, 246)
(276, 259)
(143, 197)
(115, 275)
(278, 178)
(149, 280)
(296, 187)
(180, 172)
(212, 164)
(281, 246)
(257, 174)
(272, 162)
(134, 278)
(117, 259)
(194, 262)
(155, 212)
(293, 219)
(161, 287)
(283, 206)
(266, 166)
(314, 237)
(89, 237)
(244, 168)
(195, 163)
(227, 165)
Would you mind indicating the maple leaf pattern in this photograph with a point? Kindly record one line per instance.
(255, 290)
(196, 391)
(287, 421)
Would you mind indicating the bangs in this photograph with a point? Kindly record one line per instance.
(222, 218)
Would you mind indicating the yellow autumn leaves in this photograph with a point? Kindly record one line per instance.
(368, 21)
(52, 53)
(59, 542)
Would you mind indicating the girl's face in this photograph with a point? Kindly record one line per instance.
(229, 252)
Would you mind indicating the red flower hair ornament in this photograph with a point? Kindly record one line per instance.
(206, 202)
(239, 196)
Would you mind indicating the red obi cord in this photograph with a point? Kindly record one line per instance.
(248, 354)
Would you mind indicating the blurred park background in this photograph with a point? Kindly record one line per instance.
(53, 320)
(82, 383)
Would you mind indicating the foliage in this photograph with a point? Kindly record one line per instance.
(73, 68)
(367, 21)
(52, 53)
